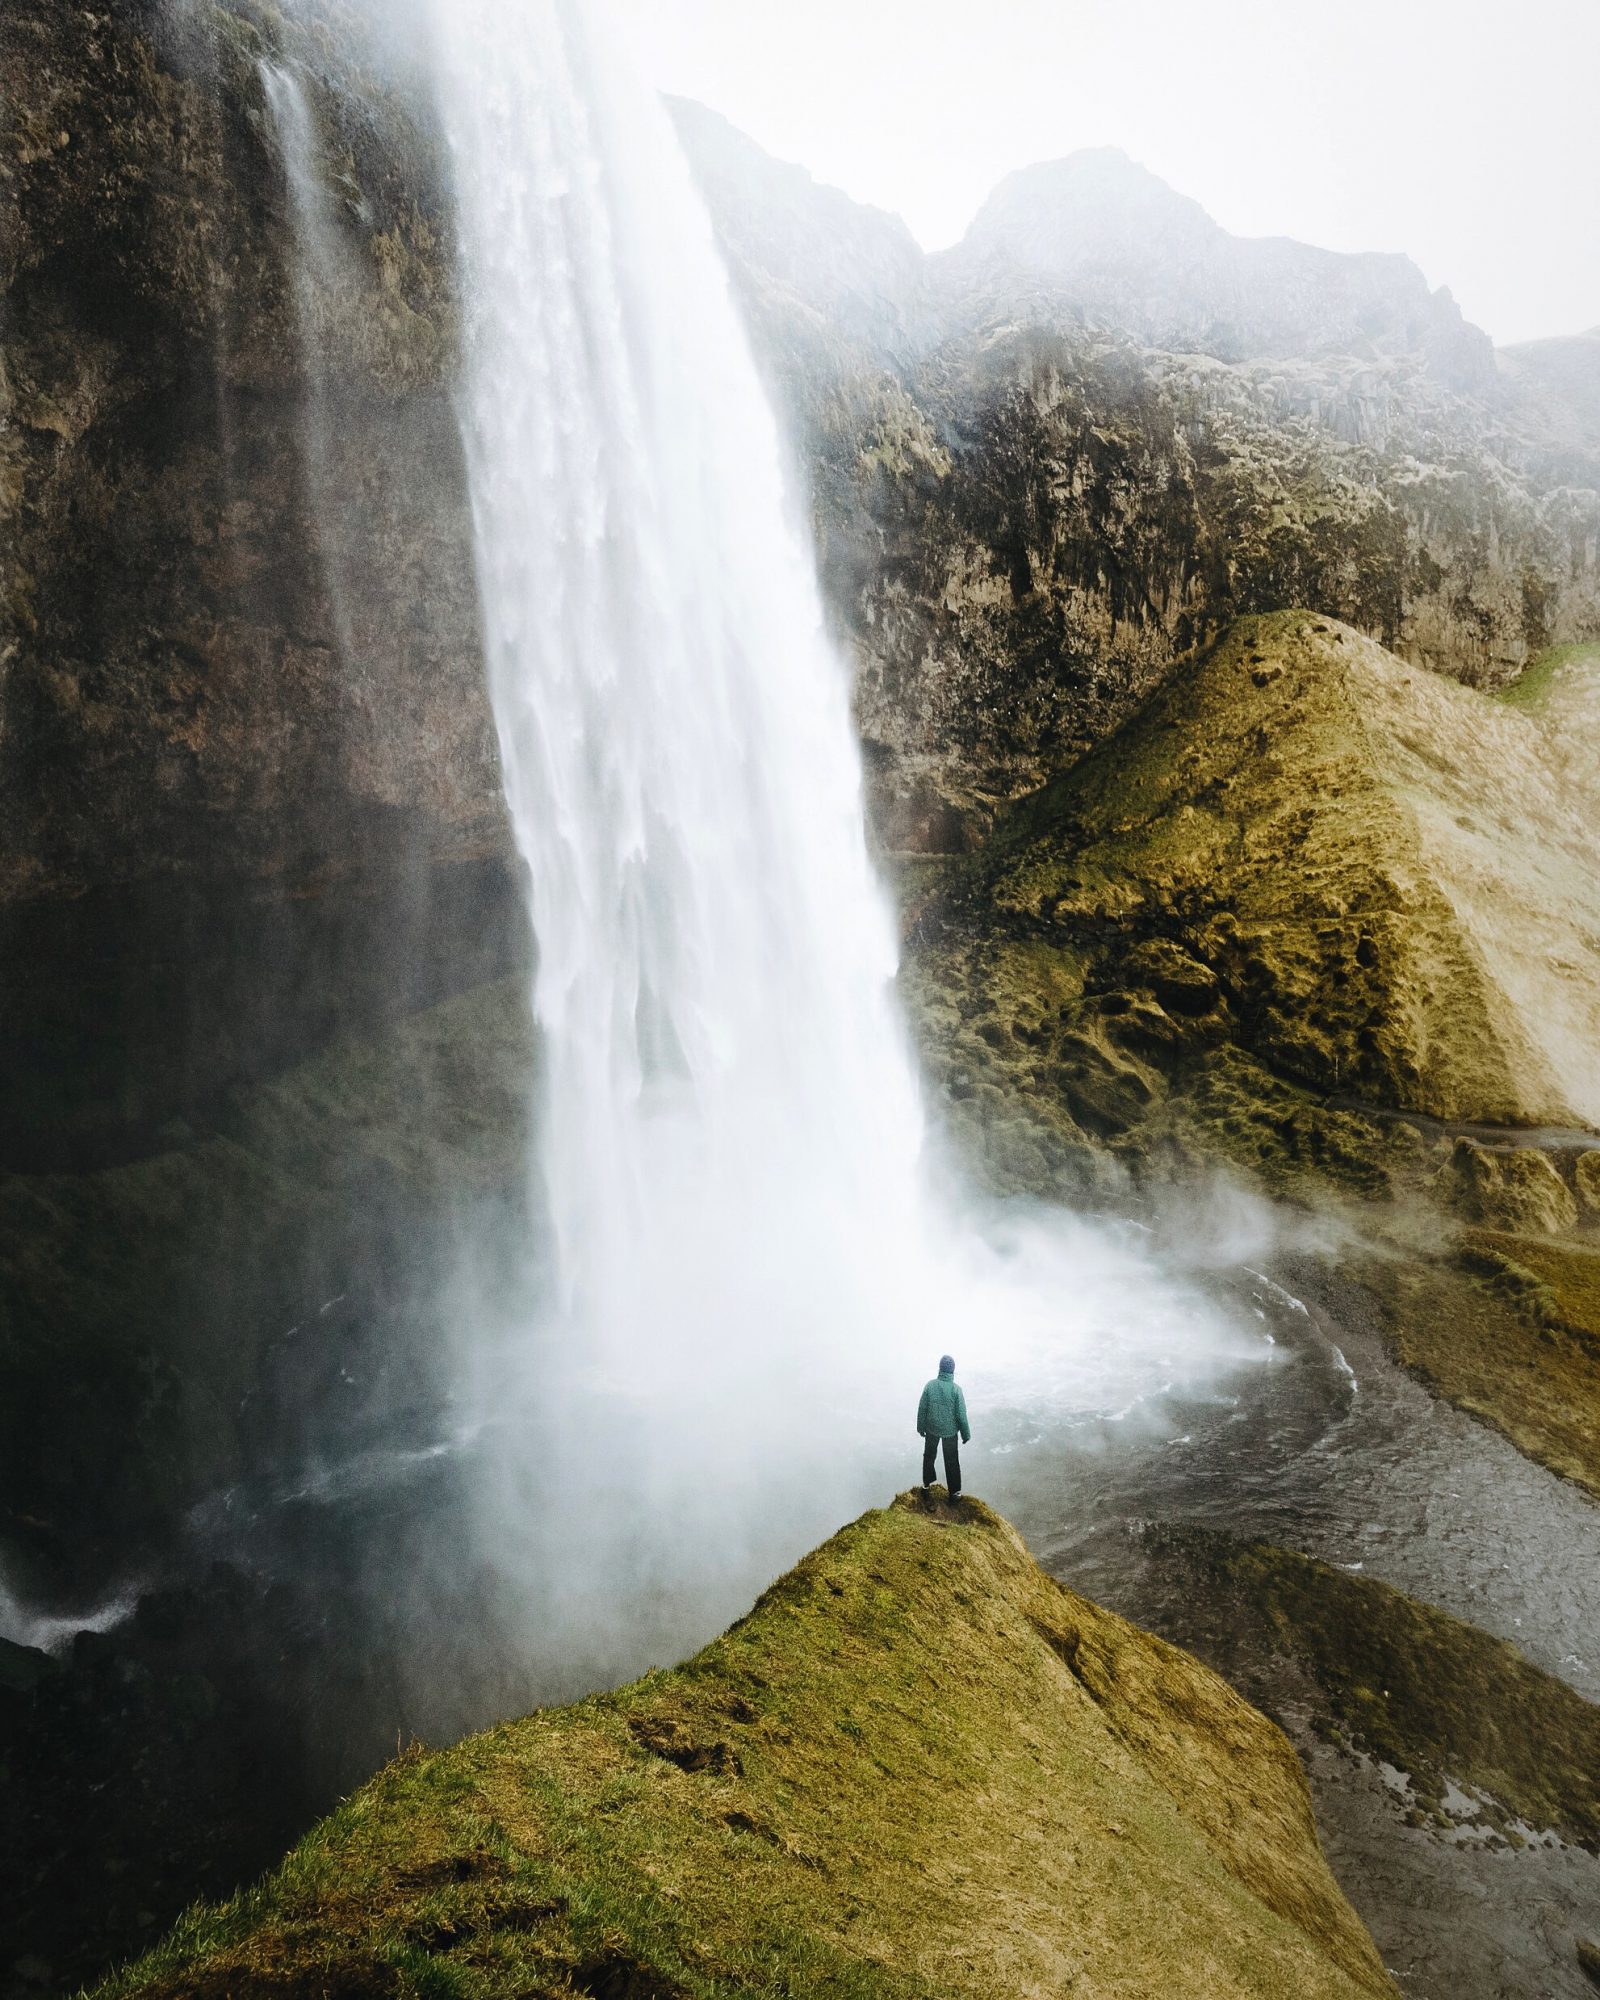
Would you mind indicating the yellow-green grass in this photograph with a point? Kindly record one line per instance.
(1306, 889)
(1533, 686)
(918, 1767)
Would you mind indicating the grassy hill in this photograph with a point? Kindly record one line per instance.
(1374, 882)
(917, 1767)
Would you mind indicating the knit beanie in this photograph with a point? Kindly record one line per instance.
(946, 1365)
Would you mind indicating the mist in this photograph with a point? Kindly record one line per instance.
(1439, 132)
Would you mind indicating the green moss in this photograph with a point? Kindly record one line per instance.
(1533, 686)
(1509, 1329)
(1517, 1188)
(1265, 920)
(1278, 856)
(1437, 1698)
(1029, 1794)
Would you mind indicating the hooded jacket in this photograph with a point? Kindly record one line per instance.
(943, 1410)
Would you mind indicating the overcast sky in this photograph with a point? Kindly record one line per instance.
(1464, 133)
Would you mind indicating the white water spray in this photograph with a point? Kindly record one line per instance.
(725, 1085)
(744, 1278)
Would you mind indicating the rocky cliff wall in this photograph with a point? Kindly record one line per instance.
(1055, 461)
(248, 785)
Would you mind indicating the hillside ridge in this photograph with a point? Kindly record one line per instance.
(918, 1766)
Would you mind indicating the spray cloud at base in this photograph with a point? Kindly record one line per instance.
(745, 1276)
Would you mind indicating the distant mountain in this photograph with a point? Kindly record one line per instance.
(1115, 243)
(1558, 384)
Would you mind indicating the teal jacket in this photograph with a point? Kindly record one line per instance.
(943, 1410)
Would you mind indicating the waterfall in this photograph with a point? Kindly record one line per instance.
(318, 271)
(730, 1124)
(743, 1276)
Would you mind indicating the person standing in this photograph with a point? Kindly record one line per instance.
(941, 1418)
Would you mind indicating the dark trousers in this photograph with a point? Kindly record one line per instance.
(952, 1462)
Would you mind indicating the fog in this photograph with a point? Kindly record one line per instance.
(1460, 135)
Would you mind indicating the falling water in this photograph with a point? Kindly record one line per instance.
(742, 1276)
(730, 1121)
(318, 271)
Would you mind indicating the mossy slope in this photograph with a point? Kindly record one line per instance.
(1431, 1695)
(1334, 923)
(917, 1767)
(1508, 1328)
(1392, 883)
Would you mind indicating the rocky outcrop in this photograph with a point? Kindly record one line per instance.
(1557, 386)
(818, 268)
(1306, 845)
(256, 1288)
(1031, 535)
(1455, 1782)
(1326, 921)
(771, 1816)
(248, 785)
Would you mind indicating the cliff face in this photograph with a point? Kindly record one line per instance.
(1101, 429)
(248, 787)
(249, 801)
(867, 1786)
(1328, 921)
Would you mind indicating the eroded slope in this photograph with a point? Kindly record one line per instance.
(1333, 922)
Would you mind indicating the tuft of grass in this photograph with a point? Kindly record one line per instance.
(918, 1767)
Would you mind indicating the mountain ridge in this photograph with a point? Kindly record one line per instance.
(1009, 226)
(763, 1819)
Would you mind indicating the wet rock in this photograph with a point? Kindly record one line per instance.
(1040, 476)
(22, 1668)
(1517, 1188)
(1180, 982)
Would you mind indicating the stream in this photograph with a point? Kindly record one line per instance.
(1332, 1450)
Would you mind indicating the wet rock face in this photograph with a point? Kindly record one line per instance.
(1080, 516)
(1516, 1188)
(248, 787)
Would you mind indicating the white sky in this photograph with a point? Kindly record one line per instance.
(1465, 133)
